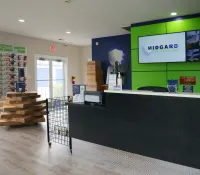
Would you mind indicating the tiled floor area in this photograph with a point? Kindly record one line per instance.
(24, 151)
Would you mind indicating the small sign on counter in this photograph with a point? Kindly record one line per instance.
(78, 93)
(188, 89)
(188, 80)
(112, 83)
(172, 85)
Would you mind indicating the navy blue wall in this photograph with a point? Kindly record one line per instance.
(106, 44)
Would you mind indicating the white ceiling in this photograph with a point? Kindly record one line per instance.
(86, 19)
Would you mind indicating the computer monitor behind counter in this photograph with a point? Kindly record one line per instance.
(153, 89)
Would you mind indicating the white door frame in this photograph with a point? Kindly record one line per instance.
(65, 61)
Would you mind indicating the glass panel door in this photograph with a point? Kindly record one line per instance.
(43, 78)
(58, 78)
(50, 78)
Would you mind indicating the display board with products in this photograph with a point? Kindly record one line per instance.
(13, 60)
(193, 46)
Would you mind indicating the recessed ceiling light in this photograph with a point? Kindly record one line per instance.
(21, 20)
(68, 32)
(173, 14)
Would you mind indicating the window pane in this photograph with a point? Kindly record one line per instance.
(58, 88)
(58, 72)
(42, 70)
(43, 89)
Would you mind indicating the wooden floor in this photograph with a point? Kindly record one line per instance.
(24, 151)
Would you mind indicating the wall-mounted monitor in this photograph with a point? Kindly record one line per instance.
(193, 46)
(162, 48)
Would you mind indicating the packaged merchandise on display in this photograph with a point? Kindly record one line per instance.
(11, 61)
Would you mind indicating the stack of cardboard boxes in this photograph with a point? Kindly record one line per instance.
(94, 79)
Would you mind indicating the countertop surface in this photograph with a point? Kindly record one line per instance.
(167, 94)
(85, 105)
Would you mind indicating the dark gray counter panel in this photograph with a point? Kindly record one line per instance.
(165, 128)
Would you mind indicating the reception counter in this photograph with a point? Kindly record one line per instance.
(164, 126)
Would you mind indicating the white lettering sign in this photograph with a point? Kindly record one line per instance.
(162, 48)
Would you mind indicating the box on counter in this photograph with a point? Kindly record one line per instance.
(94, 78)
(94, 83)
(95, 72)
(94, 88)
(93, 65)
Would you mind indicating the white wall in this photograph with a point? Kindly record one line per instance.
(86, 55)
(76, 62)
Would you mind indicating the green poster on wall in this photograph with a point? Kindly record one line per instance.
(7, 48)
(20, 49)
(11, 48)
(1, 47)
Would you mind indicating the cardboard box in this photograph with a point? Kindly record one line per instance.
(93, 65)
(95, 72)
(94, 88)
(92, 78)
(94, 83)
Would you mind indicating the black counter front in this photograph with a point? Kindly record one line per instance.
(161, 127)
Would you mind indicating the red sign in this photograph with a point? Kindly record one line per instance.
(188, 80)
(52, 48)
(73, 80)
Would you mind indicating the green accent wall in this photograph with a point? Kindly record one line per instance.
(149, 79)
(157, 74)
(183, 25)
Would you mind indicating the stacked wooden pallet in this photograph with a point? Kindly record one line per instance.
(22, 108)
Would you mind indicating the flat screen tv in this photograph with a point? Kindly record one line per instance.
(193, 46)
(162, 48)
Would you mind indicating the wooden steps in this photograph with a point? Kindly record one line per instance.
(5, 122)
(19, 94)
(30, 110)
(24, 98)
(23, 104)
(10, 115)
(22, 108)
